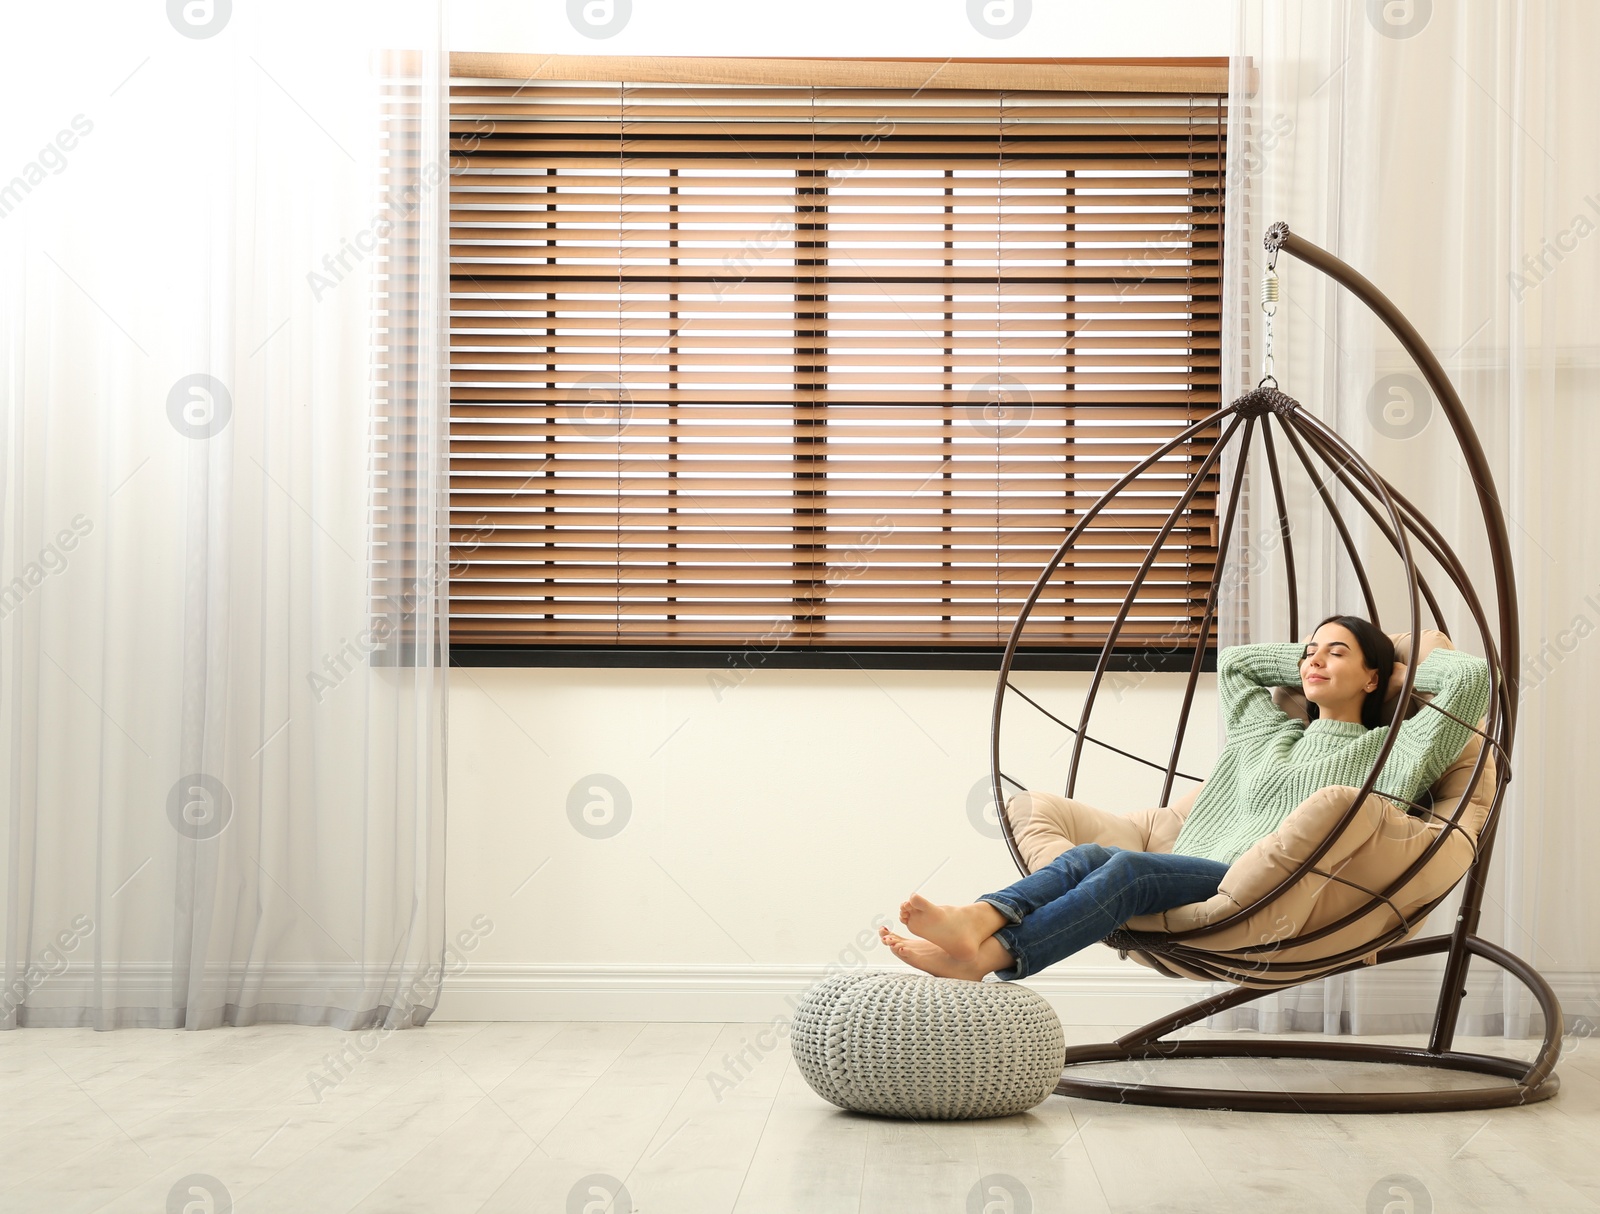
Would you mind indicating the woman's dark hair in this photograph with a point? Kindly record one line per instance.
(1377, 653)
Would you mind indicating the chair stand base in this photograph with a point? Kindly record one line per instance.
(1497, 1096)
(1534, 1080)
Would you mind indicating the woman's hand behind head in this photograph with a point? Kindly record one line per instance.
(1397, 680)
(1432, 639)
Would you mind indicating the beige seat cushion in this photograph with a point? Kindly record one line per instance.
(1370, 853)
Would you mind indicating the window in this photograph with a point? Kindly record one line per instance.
(826, 368)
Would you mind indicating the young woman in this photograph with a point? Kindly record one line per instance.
(1271, 763)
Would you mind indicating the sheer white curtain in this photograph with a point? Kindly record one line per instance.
(1448, 153)
(223, 476)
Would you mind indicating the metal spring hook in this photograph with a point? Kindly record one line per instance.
(1269, 307)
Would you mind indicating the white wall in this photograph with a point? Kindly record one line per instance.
(760, 831)
(1069, 29)
(767, 830)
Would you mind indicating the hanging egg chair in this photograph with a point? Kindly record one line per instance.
(1284, 915)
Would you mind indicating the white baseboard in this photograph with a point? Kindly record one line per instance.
(1101, 995)
(1118, 994)
(1123, 993)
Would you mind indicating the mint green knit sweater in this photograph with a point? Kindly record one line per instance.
(1272, 761)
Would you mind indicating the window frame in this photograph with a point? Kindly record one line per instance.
(1187, 76)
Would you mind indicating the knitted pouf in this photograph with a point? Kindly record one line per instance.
(912, 1045)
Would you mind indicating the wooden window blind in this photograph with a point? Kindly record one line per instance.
(823, 367)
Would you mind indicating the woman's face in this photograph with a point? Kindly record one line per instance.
(1333, 672)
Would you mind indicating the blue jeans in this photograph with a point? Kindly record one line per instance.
(1086, 893)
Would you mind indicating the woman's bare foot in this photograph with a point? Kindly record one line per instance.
(958, 930)
(931, 959)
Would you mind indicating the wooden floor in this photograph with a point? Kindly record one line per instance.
(535, 1117)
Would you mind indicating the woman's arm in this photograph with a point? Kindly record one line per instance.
(1430, 741)
(1244, 674)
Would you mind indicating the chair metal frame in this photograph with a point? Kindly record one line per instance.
(1394, 516)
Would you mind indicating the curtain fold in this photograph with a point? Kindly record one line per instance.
(1446, 152)
(224, 541)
